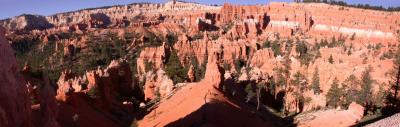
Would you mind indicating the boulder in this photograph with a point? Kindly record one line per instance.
(357, 110)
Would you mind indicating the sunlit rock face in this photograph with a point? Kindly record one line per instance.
(157, 85)
(26, 22)
(289, 19)
(249, 45)
(326, 20)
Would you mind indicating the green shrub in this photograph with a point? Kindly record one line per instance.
(174, 68)
(370, 46)
(214, 36)
(379, 99)
(248, 50)
(198, 35)
(301, 48)
(267, 44)
(280, 79)
(349, 52)
(353, 36)
(330, 59)
(93, 93)
(239, 64)
(378, 46)
(276, 48)
(227, 66)
(100, 51)
(172, 38)
(228, 26)
(271, 86)
(306, 59)
(250, 90)
(317, 54)
(365, 60)
(148, 66)
(199, 69)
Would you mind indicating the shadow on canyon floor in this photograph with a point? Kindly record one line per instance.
(216, 113)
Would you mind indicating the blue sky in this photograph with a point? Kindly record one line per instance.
(10, 8)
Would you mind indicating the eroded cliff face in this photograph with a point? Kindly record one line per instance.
(97, 95)
(115, 80)
(14, 105)
(153, 57)
(288, 19)
(205, 103)
(314, 20)
(157, 85)
(245, 49)
(26, 22)
(326, 20)
(109, 16)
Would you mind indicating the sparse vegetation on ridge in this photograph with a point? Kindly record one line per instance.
(362, 6)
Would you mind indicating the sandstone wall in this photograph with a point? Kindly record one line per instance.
(26, 22)
(14, 104)
(315, 20)
(331, 20)
(288, 19)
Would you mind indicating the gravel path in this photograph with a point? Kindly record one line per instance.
(392, 121)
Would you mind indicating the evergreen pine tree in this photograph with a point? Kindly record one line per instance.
(300, 81)
(334, 94)
(315, 82)
(366, 87)
(351, 86)
(395, 78)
